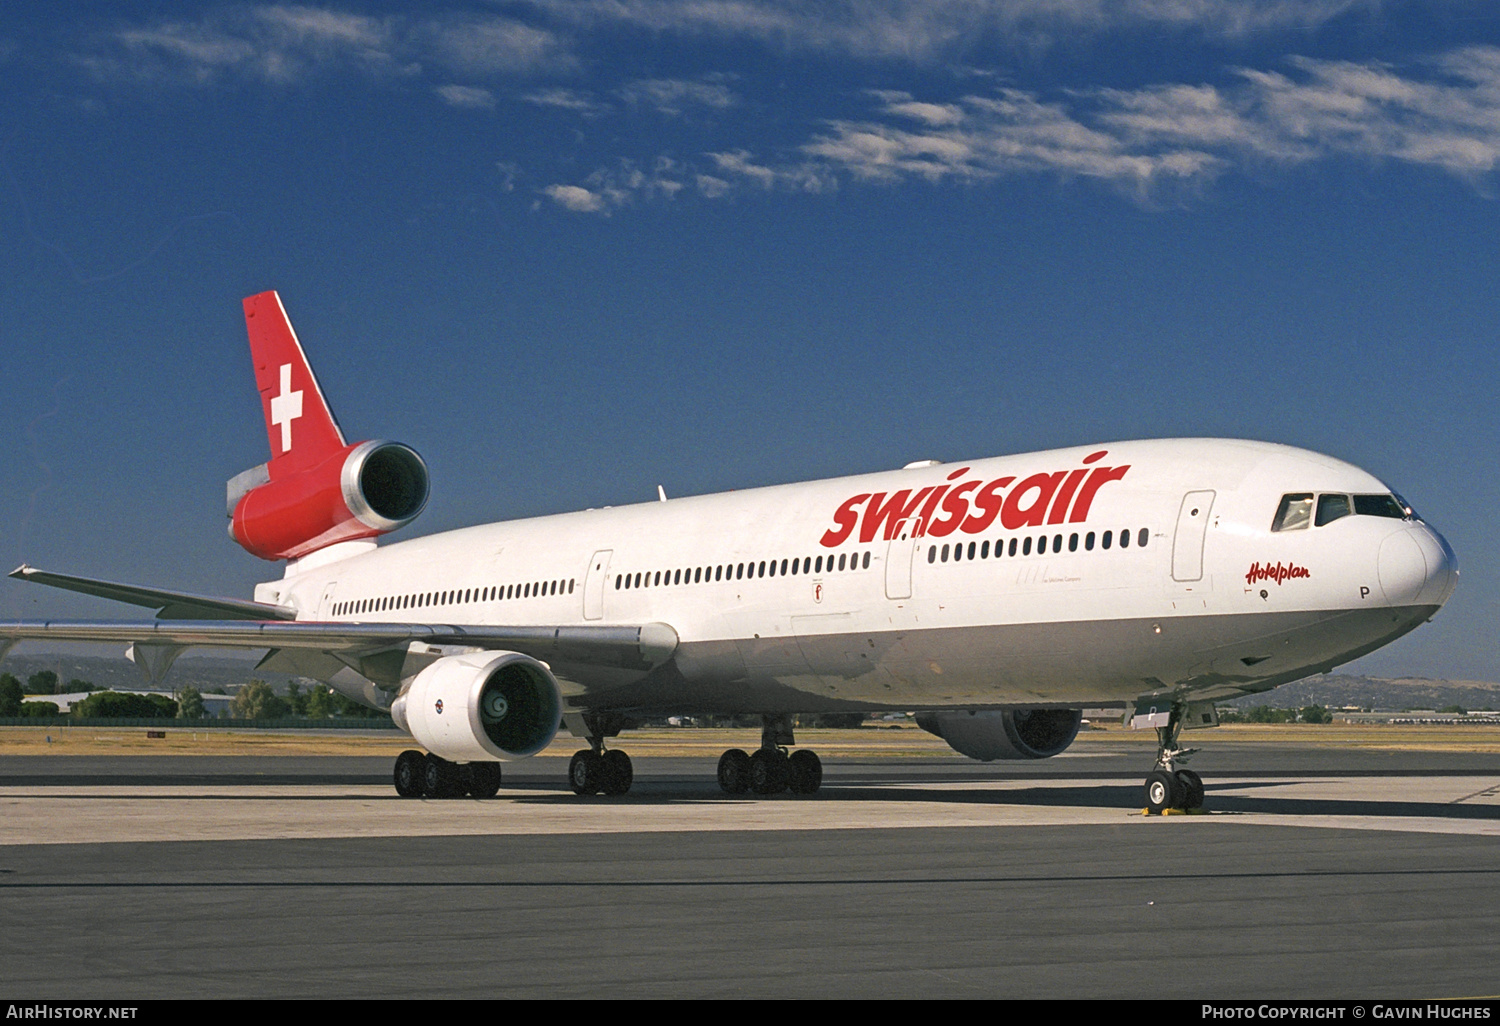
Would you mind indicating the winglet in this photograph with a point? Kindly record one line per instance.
(300, 427)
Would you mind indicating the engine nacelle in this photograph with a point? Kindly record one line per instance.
(482, 707)
(360, 491)
(1004, 733)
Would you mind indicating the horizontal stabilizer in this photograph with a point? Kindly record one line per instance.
(169, 605)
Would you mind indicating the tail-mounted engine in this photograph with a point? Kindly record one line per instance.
(360, 491)
(1004, 733)
(481, 707)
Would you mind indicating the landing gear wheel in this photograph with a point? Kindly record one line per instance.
(586, 772)
(804, 772)
(484, 779)
(734, 772)
(768, 771)
(441, 778)
(618, 773)
(1163, 792)
(1192, 789)
(411, 767)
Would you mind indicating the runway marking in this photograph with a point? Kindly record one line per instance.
(65, 814)
(1071, 879)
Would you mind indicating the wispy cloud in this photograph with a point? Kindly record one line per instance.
(611, 188)
(466, 96)
(930, 30)
(1444, 114)
(672, 96)
(578, 101)
(282, 44)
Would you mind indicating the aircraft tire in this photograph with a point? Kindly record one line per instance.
(618, 773)
(1192, 789)
(804, 772)
(411, 767)
(734, 772)
(484, 779)
(768, 771)
(1163, 792)
(441, 778)
(585, 772)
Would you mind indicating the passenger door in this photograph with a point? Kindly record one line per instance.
(593, 585)
(1187, 541)
(898, 556)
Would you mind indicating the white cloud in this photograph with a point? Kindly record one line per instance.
(494, 46)
(568, 99)
(795, 176)
(282, 43)
(939, 30)
(624, 184)
(1447, 116)
(466, 96)
(577, 199)
(671, 96)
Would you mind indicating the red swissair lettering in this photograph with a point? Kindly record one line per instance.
(972, 506)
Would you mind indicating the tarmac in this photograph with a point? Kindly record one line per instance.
(1321, 871)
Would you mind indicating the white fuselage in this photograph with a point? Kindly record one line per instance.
(999, 582)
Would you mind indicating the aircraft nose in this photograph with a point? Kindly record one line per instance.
(1417, 567)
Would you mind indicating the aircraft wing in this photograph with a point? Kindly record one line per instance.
(638, 647)
(169, 605)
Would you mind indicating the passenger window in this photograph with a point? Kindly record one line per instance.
(944, 556)
(1294, 513)
(1108, 537)
(1378, 506)
(1026, 547)
(1057, 543)
(842, 558)
(1012, 546)
(1088, 542)
(1140, 540)
(1073, 543)
(932, 553)
(1331, 508)
(866, 561)
(1125, 539)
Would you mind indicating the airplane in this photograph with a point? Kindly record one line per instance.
(997, 598)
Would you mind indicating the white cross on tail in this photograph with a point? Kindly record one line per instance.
(286, 407)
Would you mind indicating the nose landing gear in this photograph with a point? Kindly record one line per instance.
(1170, 786)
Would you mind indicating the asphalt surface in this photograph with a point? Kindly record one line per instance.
(1316, 874)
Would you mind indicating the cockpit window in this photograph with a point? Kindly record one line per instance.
(1294, 513)
(1331, 508)
(1381, 506)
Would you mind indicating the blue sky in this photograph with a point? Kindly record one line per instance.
(571, 250)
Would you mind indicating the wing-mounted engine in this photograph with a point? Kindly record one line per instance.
(482, 707)
(1004, 733)
(361, 491)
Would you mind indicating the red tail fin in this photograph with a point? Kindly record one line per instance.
(299, 425)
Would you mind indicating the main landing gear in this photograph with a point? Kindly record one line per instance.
(1170, 786)
(771, 770)
(595, 771)
(421, 775)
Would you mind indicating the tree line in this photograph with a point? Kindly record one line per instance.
(255, 701)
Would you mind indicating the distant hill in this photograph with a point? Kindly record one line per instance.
(1338, 689)
(203, 673)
